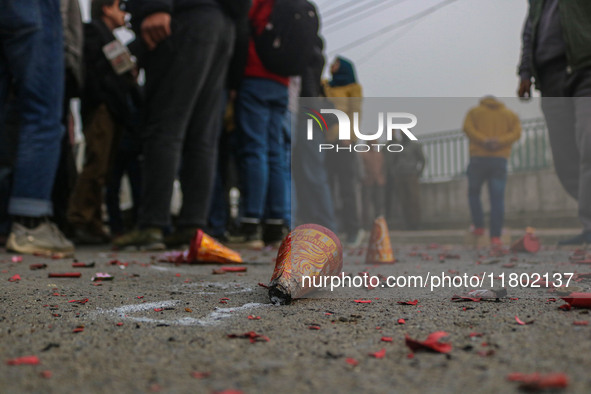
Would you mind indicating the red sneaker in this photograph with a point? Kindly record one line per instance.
(478, 231)
(496, 241)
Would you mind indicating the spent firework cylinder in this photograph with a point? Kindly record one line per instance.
(379, 248)
(309, 250)
(205, 249)
(528, 243)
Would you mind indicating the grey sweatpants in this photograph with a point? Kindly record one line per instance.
(185, 78)
(566, 103)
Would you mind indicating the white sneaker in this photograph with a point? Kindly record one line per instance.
(45, 239)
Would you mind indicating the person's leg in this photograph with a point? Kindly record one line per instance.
(34, 56)
(560, 120)
(279, 176)
(84, 212)
(412, 210)
(176, 73)
(287, 121)
(201, 142)
(582, 107)
(347, 179)
(497, 179)
(476, 178)
(310, 179)
(253, 115)
(32, 52)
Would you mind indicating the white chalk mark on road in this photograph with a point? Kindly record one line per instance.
(214, 318)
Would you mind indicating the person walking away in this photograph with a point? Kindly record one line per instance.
(556, 53)
(491, 129)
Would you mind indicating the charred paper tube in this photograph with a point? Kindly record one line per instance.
(308, 251)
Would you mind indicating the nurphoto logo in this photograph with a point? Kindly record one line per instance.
(393, 121)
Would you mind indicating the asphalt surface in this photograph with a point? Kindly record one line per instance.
(157, 327)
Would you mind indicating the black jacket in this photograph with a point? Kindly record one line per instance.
(102, 85)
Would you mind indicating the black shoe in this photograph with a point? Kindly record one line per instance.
(583, 238)
(86, 236)
(248, 237)
(273, 232)
(180, 237)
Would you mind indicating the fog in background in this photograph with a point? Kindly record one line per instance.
(426, 48)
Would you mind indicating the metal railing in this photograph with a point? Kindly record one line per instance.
(447, 152)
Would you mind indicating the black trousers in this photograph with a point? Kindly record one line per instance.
(185, 78)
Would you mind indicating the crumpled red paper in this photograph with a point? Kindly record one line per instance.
(251, 335)
(578, 300)
(430, 344)
(26, 360)
(538, 381)
(408, 302)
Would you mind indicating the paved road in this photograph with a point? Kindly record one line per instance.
(160, 327)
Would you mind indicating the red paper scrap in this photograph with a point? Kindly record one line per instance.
(100, 276)
(408, 302)
(458, 298)
(233, 269)
(26, 360)
(431, 343)
(521, 322)
(78, 329)
(252, 317)
(578, 300)
(158, 309)
(581, 323)
(351, 361)
(17, 259)
(401, 321)
(64, 275)
(363, 301)
(379, 354)
(84, 301)
(82, 265)
(46, 374)
(251, 335)
(386, 339)
(119, 324)
(200, 375)
(537, 381)
(14, 278)
(314, 327)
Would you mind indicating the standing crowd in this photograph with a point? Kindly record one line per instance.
(207, 95)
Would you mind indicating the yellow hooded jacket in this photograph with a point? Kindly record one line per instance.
(491, 120)
(347, 99)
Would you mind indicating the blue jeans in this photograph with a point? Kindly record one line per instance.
(494, 171)
(31, 55)
(260, 109)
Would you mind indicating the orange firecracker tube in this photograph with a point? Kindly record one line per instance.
(309, 250)
(379, 249)
(205, 249)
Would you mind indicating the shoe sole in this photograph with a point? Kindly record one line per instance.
(12, 246)
(251, 245)
(155, 247)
